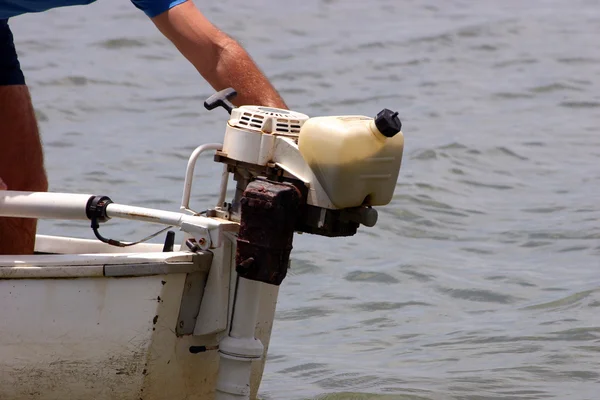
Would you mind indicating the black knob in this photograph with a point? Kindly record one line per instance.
(388, 123)
(221, 99)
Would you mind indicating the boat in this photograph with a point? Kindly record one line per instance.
(106, 319)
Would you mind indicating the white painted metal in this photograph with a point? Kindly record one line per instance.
(88, 336)
(267, 120)
(240, 348)
(207, 231)
(251, 131)
(43, 205)
(244, 317)
(71, 245)
(287, 156)
(255, 147)
(267, 145)
(83, 340)
(223, 188)
(52, 271)
(241, 144)
(215, 310)
(189, 172)
(114, 210)
(94, 259)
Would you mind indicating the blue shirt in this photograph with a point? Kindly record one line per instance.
(12, 8)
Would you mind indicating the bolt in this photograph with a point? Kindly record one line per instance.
(181, 324)
(192, 245)
(202, 241)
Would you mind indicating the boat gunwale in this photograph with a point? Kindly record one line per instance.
(114, 265)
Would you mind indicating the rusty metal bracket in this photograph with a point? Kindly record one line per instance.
(268, 216)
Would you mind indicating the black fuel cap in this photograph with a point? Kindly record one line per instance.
(388, 123)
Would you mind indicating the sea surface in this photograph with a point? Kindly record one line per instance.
(481, 279)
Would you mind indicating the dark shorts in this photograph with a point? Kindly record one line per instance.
(10, 69)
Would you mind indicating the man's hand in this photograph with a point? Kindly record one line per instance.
(2, 185)
(218, 58)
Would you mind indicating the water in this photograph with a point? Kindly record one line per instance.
(481, 279)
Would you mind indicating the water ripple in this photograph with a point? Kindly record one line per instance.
(479, 295)
(121, 43)
(568, 301)
(580, 104)
(303, 313)
(370, 276)
(384, 305)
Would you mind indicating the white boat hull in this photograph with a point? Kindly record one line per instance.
(69, 331)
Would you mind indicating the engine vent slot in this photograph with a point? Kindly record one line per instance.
(269, 120)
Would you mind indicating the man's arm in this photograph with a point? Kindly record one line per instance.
(218, 58)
